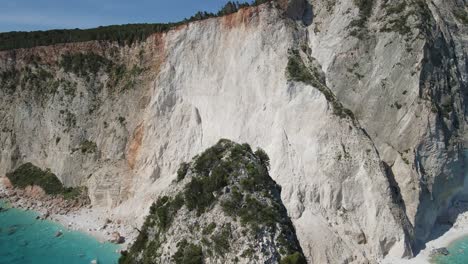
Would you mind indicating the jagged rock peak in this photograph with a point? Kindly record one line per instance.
(223, 208)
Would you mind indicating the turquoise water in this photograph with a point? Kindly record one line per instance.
(458, 253)
(23, 240)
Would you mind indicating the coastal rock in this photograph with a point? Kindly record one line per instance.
(368, 138)
(117, 238)
(58, 233)
(247, 225)
(440, 251)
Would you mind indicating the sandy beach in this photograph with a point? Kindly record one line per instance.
(97, 222)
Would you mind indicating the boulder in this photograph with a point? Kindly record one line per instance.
(440, 251)
(58, 233)
(117, 238)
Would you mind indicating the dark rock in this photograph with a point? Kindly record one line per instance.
(58, 233)
(440, 251)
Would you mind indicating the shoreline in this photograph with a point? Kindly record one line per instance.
(96, 222)
(458, 231)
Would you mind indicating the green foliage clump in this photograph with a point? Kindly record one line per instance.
(182, 171)
(461, 15)
(38, 80)
(295, 258)
(365, 11)
(209, 229)
(263, 156)
(9, 79)
(70, 193)
(164, 210)
(83, 64)
(221, 240)
(188, 253)
(298, 71)
(30, 175)
(88, 147)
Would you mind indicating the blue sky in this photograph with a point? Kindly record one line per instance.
(27, 15)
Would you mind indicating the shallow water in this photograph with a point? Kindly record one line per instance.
(23, 239)
(458, 253)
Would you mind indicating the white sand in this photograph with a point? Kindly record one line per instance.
(93, 222)
(90, 220)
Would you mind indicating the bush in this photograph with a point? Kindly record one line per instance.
(263, 156)
(83, 64)
(30, 175)
(209, 229)
(182, 171)
(221, 240)
(164, 210)
(295, 258)
(188, 253)
(461, 15)
(88, 147)
(9, 80)
(298, 71)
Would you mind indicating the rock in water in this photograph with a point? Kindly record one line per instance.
(440, 251)
(58, 233)
(225, 208)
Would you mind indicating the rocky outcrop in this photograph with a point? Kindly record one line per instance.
(359, 104)
(224, 208)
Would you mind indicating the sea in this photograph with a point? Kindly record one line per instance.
(24, 240)
(458, 249)
(458, 253)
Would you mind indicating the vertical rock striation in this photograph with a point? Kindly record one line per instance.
(359, 104)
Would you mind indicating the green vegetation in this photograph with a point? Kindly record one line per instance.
(298, 71)
(9, 79)
(229, 175)
(122, 34)
(295, 258)
(88, 147)
(83, 64)
(400, 12)
(182, 171)
(209, 229)
(70, 193)
(365, 11)
(88, 65)
(30, 175)
(461, 15)
(188, 253)
(164, 210)
(221, 240)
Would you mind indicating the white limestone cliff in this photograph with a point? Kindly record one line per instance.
(355, 189)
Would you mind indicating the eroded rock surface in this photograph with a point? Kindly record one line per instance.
(366, 141)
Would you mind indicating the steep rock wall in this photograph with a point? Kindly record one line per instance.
(354, 188)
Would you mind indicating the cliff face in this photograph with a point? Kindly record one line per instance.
(359, 104)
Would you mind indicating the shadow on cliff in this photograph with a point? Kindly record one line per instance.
(445, 219)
